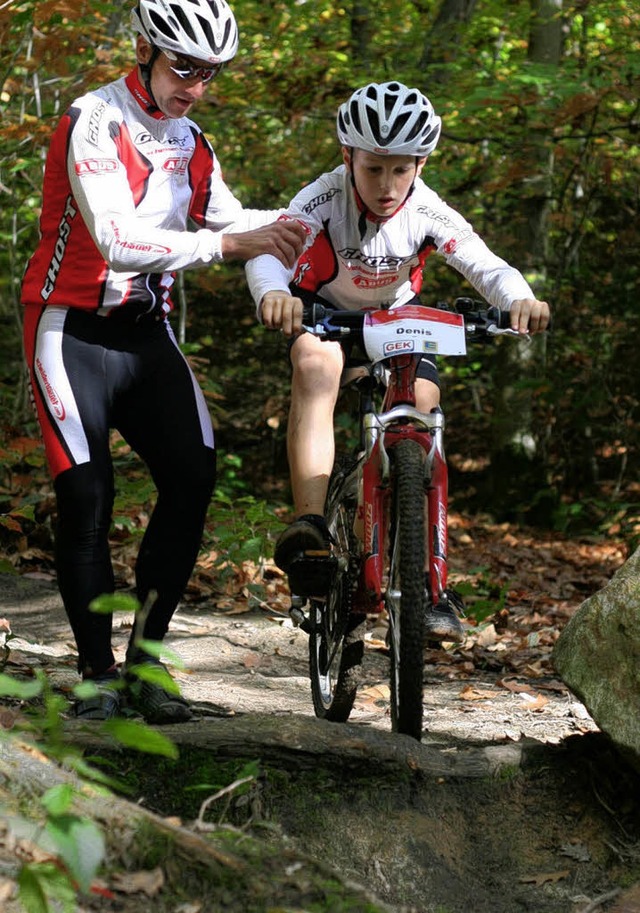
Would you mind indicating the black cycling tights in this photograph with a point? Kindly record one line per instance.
(146, 390)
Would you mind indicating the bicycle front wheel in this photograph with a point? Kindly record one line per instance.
(336, 641)
(405, 597)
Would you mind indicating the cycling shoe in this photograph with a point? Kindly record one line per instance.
(105, 703)
(441, 622)
(303, 552)
(152, 692)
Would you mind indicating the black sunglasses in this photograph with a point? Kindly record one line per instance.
(186, 70)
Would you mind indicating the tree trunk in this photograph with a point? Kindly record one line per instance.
(517, 446)
(361, 31)
(442, 36)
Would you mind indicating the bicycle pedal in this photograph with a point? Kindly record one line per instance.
(312, 573)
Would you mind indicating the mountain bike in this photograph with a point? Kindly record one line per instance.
(388, 553)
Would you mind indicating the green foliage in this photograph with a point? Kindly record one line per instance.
(483, 597)
(518, 135)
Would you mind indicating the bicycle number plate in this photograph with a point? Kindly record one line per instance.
(410, 329)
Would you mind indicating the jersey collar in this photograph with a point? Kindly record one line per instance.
(142, 96)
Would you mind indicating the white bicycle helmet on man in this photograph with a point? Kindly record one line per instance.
(202, 29)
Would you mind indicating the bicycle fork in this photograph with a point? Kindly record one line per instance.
(428, 431)
(437, 517)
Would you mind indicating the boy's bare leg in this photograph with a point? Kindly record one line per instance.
(317, 367)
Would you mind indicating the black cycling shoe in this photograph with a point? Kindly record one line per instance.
(106, 703)
(152, 692)
(441, 622)
(303, 552)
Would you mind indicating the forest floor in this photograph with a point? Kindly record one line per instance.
(546, 840)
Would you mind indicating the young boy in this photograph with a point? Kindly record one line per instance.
(371, 224)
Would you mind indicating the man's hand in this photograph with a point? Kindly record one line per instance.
(283, 239)
(280, 311)
(528, 315)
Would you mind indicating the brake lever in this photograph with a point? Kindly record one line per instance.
(493, 330)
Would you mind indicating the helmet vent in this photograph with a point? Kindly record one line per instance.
(162, 25)
(184, 21)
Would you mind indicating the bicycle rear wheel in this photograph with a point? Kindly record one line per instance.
(406, 588)
(336, 641)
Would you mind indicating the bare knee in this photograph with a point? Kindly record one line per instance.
(427, 395)
(317, 368)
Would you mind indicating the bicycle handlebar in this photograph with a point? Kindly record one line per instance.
(480, 322)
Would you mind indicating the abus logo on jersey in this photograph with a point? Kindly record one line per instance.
(176, 166)
(363, 282)
(96, 166)
(56, 404)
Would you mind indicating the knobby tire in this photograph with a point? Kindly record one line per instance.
(406, 589)
(336, 641)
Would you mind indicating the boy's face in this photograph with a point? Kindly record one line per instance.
(383, 181)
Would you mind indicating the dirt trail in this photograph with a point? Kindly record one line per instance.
(541, 820)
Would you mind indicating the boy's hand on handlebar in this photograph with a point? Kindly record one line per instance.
(281, 311)
(281, 239)
(528, 315)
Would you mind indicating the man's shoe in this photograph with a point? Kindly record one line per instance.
(153, 693)
(441, 622)
(303, 551)
(105, 703)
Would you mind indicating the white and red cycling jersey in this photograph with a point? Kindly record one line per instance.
(354, 259)
(123, 185)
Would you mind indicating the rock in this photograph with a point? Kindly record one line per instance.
(598, 657)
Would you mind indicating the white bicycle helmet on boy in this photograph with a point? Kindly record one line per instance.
(202, 29)
(389, 119)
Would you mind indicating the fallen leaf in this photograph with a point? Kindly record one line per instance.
(534, 702)
(544, 878)
(576, 851)
(469, 693)
(7, 888)
(145, 882)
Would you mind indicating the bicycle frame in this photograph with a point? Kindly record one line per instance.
(399, 419)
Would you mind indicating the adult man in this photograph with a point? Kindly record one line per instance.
(127, 173)
(371, 224)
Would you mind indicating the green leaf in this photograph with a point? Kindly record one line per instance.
(158, 650)
(24, 691)
(109, 603)
(80, 844)
(58, 799)
(133, 734)
(31, 891)
(38, 883)
(156, 675)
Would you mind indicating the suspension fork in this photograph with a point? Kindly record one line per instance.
(374, 533)
(437, 522)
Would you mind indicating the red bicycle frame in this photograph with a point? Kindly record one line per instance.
(400, 420)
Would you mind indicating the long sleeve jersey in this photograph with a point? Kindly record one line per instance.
(123, 186)
(355, 262)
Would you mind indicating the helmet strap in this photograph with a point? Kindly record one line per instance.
(145, 69)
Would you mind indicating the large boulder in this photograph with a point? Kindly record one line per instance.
(598, 657)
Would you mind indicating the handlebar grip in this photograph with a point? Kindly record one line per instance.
(502, 318)
(313, 313)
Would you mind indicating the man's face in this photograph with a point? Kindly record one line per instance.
(383, 181)
(173, 94)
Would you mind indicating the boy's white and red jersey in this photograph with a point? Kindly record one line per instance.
(354, 261)
(122, 185)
